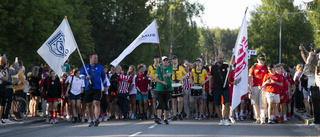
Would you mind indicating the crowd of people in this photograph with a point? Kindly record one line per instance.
(165, 90)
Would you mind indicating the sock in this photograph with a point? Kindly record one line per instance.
(285, 116)
(241, 113)
(62, 111)
(237, 114)
(55, 114)
(288, 114)
(277, 117)
(281, 118)
(106, 114)
(51, 113)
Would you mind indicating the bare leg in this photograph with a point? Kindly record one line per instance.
(96, 108)
(180, 104)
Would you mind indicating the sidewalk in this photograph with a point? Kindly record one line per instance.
(27, 121)
(306, 120)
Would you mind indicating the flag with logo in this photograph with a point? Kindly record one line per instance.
(241, 70)
(58, 47)
(149, 35)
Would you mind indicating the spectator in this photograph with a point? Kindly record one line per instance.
(34, 90)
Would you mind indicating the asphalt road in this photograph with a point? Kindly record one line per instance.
(185, 128)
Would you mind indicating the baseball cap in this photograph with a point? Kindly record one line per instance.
(174, 56)
(199, 59)
(261, 57)
(164, 57)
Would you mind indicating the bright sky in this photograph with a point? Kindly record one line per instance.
(229, 13)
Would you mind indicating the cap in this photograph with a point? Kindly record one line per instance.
(261, 57)
(199, 59)
(164, 57)
(155, 56)
(174, 56)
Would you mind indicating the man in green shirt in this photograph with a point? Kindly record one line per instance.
(163, 89)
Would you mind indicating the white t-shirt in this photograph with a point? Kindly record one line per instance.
(76, 85)
(133, 90)
(108, 84)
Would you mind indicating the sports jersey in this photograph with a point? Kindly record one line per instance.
(259, 72)
(178, 72)
(272, 87)
(124, 82)
(76, 85)
(151, 70)
(187, 83)
(165, 71)
(198, 76)
(142, 83)
(96, 74)
(219, 75)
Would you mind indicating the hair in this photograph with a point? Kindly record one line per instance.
(117, 67)
(278, 65)
(20, 62)
(299, 67)
(35, 71)
(50, 73)
(125, 67)
(134, 70)
(75, 70)
(270, 66)
(90, 56)
(140, 66)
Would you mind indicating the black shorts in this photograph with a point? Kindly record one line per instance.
(217, 97)
(162, 99)
(92, 94)
(210, 97)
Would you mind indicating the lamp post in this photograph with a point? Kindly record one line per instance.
(280, 16)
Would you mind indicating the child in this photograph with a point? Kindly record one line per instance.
(124, 83)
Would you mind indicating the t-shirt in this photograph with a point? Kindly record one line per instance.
(134, 89)
(198, 76)
(272, 87)
(167, 70)
(187, 83)
(124, 82)
(151, 70)
(142, 83)
(178, 72)
(259, 73)
(219, 75)
(76, 85)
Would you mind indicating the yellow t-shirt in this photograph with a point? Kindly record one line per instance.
(178, 73)
(198, 76)
(151, 70)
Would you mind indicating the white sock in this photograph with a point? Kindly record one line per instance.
(241, 113)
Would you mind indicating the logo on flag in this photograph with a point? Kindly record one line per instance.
(241, 56)
(56, 45)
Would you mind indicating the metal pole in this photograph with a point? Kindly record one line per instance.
(280, 38)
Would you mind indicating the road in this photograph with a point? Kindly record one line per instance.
(185, 128)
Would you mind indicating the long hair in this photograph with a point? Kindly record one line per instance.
(35, 71)
(134, 70)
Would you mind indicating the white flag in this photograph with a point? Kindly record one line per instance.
(149, 35)
(58, 47)
(241, 70)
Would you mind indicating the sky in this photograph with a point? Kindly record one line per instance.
(231, 15)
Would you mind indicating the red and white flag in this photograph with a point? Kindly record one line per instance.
(241, 70)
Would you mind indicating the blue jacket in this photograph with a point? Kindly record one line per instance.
(99, 76)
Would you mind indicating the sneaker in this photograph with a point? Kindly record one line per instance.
(74, 120)
(227, 123)
(152, 116)
(211, 116)
(56, 120)
(237, 119)
(145, 117)
(257, 121)
(285, 119)
(196, 116)
(132, 117)
(204, 116)
(105, 118)
(270, 122)
(51, 121)
(180, 117)
(263, 122)
(232, 120)
(7, 121)
(221, 122)
(166, 121)
(241, 118)
(276, 121)
(91, 124)
(158, 121)
(96, 122)
(69, 118)
(47, 120)
(83, 120)
(100, 119)
(174, 118)
(312, 124)
(200, 118)
(89, 120)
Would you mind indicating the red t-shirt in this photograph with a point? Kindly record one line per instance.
(124, 83)
(272, 87)
(259, 73)
(142, 83)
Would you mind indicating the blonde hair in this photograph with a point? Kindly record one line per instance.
(134, 70)
(299, 67)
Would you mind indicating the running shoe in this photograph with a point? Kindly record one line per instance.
(241, 118)
(158, 121)
(7, 121)
(47, 120)
(285, 119)
(91, 124)
(221, 122)
(105, 118)
(74, 120)
(89, 120)
(100, 119)
(174, 118)
(257, 121)
(152, 117)
(180, 117)
(51, 121)
(270, 122)
(166, 121)
(56, 120)
(232, 120)
(96, 122)
(227, 123)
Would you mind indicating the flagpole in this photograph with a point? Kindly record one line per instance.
(78, 50)
(225, 81)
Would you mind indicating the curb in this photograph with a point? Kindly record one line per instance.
(307, 121)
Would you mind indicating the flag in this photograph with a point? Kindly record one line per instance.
(241, 70)
(58, 47)
(149, 35)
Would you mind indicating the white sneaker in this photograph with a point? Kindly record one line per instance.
(196, 116)
(204, 116)
(69, 118)
(7, 121)
(132, 117)
(89, 120)
(227, 123)
(56, 120)
(152, 116)
(100, 119)
(47, 120)
(221, 122)
(82, 121)
(105, 118)
(232, 120)
(285, 119)
(51, 121)
(312, 124)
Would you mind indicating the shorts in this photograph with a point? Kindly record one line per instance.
(209, 98)
(3, 98)
(217, 97)
(272, 98)
(284, 99)
(203, 95)
(92, 94)
(306, 93)
(153, 94)
(162, 99)
(139, 96)
(75, 97)
(52, 100)
(133, 95)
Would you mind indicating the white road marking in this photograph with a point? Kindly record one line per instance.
(154, 125)
(135, 134)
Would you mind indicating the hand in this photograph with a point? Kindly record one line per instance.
(301, 47)
(271, 81)
(210, 92)
(164, 83)
(88, 78)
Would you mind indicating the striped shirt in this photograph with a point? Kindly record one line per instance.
(187, 83)
(124, 83)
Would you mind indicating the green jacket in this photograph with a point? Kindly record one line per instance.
(167, 70)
